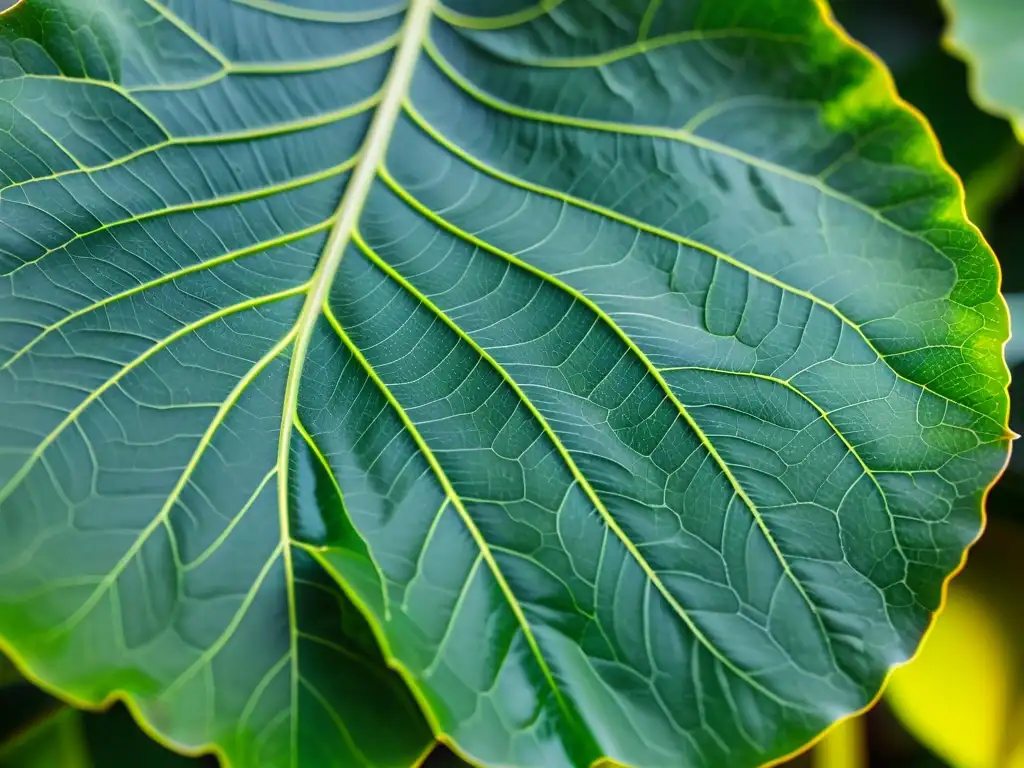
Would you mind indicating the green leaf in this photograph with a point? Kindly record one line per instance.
(962, 695)
(989, 34)
(335, 647)
(155, 560)
(631, 365)
(979, 146)
(57, 741)
(38, 731)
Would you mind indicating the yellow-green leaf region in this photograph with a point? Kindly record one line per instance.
(564, 381)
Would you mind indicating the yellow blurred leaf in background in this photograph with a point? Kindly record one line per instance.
(963, 694)
(956, 694)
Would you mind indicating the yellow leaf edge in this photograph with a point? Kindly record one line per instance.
(891, 94)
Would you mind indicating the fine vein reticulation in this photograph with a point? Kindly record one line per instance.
(561, 380)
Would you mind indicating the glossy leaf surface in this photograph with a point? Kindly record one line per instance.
(989, 34)
(149, 557)
(630, 364)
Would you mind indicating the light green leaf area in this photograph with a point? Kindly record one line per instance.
(989, 35)
(631, 365)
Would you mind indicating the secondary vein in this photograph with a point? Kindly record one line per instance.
(586, 205)
(566, 457)
(485, 549)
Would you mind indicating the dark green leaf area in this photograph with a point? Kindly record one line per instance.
(569, 384)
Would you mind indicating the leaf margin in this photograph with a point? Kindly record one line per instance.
(891, 93)
(891, 96)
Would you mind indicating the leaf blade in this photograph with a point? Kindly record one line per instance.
(179, 657)
(715, 407)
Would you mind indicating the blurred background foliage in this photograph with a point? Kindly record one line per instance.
(960, 703)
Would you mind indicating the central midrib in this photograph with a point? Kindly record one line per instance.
(371, 155)
(350, 208)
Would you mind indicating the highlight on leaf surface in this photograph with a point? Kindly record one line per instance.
(628, 380)
(989, 34)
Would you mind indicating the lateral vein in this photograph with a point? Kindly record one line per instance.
(562, 450)
(157, 346)
(586, 205)
(167, 277)
(443, 480)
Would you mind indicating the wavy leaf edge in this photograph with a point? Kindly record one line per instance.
(422, 10)
(893, 93)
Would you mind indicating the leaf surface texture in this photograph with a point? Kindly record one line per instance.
(631, 367)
